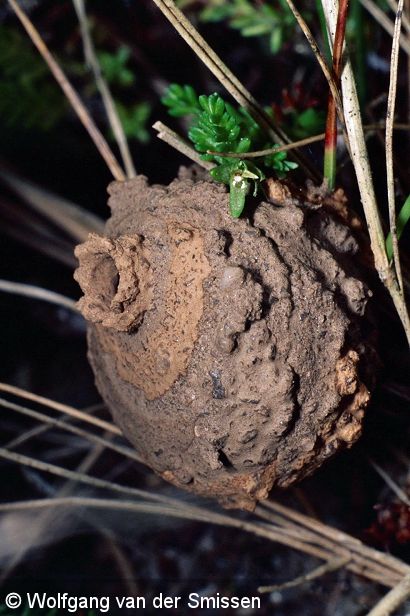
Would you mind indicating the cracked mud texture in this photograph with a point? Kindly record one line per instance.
(228, 351)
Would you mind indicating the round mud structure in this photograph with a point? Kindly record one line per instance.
(228, 351)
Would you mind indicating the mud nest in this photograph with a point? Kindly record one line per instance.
(228, 351)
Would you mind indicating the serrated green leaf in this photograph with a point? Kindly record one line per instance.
(181, 100)
(253, 19)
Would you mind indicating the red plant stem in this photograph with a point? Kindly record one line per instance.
(331, 123)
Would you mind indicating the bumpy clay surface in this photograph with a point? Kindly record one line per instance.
(227, 350)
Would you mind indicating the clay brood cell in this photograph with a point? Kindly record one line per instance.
(227, 350)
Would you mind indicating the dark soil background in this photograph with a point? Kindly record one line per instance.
(43, 347)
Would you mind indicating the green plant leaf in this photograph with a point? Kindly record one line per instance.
(114, 67)
(134, 120)
(181, 100)
(253, 19)
(219, 128)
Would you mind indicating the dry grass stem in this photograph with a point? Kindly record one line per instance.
(279, 148)
(124, 564)
(323, 65)
(331, 565)
(33, 292)
(405, 19)
(396, 597)
(391, 105)
(384, 21)
(348, 542)
(62, 408)
(302, 142)
(60, 423)
(205, 53)
(27, 228)
(172, 138)
(394, 487)
(26, 436)
(109, 104)
(70, 93)
(201, 515)
(364, 178)
(41, 522)
(298, 538)
(39, 430)
(335, 548)
(70, 217)
(232, 85)
(365, 561)
(94, 482)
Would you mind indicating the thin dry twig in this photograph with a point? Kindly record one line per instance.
(29, 290)
(41, 522)
(343, 539)
(301, 142)
(172, 138)
(329, 161)
(406, 21)
(39, 430)
(394, 487)
(396, 597)
(391, 104)
(267, 151)
(384, 21)
(124, 564)
(26, 436)
(365, 561)
(329, 567)
(70, 217)
(364, 178)
(70, 93)
(62, 408)
(109, 104)
(357, 562)
(30, 230)
(202, 515)
(127, 452)
(94, 482)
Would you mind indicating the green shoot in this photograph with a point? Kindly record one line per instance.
(323, 27)
(329, 170)
(261, 19)
(219, 128)
(402, 219)
(181, 100)
(114, 67)
(134, 119)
